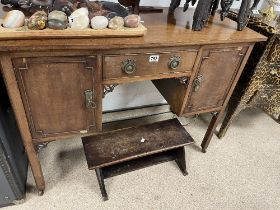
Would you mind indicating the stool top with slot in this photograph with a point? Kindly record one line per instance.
(131, 143)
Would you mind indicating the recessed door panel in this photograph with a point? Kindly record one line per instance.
(216, 73)
(53, 91)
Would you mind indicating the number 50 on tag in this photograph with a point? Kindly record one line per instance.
(154, 58)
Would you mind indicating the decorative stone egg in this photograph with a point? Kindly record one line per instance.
(80, 22)
(57, 15)
(79, 12)
(116, 23)
(57, 20)
(57, 24)
(37, 21)
(14, 19)
(99, 22)
(79, 19)
(132, 21)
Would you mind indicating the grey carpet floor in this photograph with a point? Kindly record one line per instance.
(241, 171)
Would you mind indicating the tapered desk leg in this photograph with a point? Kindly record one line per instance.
(100, 179)
(181, 160)
(210, 131)
(18, 108)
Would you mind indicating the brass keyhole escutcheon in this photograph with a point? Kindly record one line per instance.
(174, 62)
(89, 99)
(129, 66)
(197, 82)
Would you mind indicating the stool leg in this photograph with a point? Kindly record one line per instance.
(100, 179)
(181, 160)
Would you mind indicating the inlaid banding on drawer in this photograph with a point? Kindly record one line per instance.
(147, 64)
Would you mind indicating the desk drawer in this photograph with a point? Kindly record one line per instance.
(145, 64)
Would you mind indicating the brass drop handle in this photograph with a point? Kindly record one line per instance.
(129, 66)
(197, 82)
(174, 62)
(90, 104)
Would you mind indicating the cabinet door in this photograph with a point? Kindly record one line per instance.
(216, 73)
(53, 92)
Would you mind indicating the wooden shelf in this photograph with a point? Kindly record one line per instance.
(25, 33)
(139, 163)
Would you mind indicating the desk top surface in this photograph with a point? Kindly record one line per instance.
(163, 30)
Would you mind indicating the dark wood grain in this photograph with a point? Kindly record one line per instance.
(126, 150)
(122, 145)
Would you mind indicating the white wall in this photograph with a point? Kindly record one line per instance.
(141, 93)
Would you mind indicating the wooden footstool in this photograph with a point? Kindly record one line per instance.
(125, 150)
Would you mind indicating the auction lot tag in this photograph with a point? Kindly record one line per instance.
(154, 58)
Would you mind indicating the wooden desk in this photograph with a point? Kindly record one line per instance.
(56, 85)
